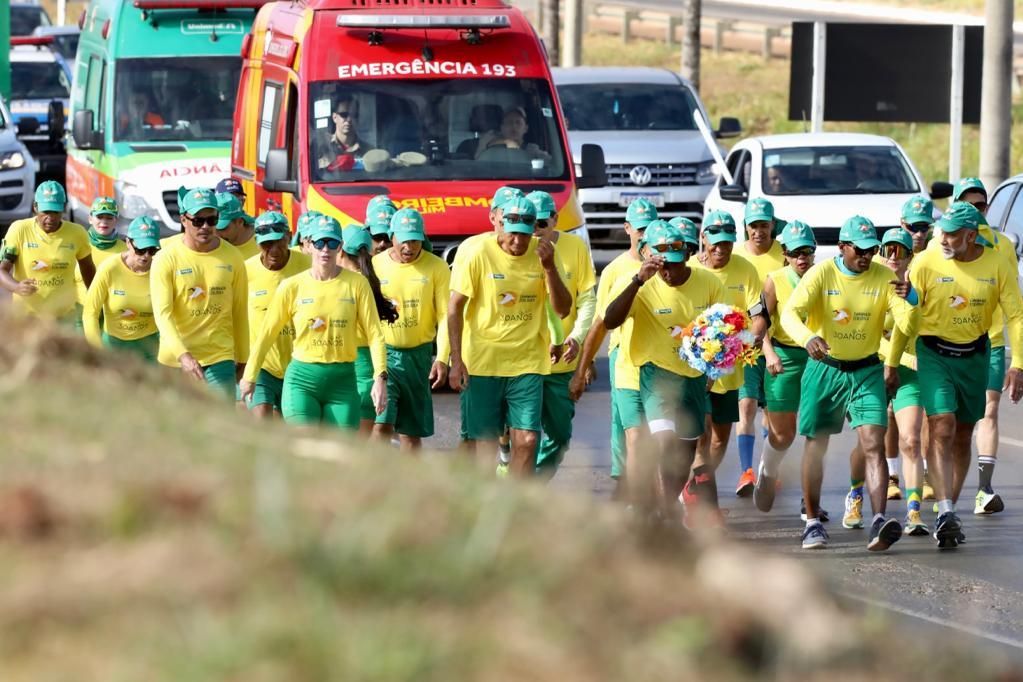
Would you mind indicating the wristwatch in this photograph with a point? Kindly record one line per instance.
(383, 375)
(636, 279)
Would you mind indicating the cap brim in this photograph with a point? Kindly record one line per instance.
(947, 226)
(674, 256)
(113, 213)
(640, 224)
(921, 218)
(866, 243)
(718, 237)
(46, 206)
(146, 242)
(409, 236)
(249, 220)
(758, 217)
(377, 230)
(799, 243)
(270, 237)
(544, 215)
(518, 228)
(192, 210)
(323, 234)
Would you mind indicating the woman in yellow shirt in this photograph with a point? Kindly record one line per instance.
(329, 308)
(120, 295)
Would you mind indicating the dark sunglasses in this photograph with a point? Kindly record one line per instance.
(862, 252)
(210, 220)
(327, 243)
(980, 205)
(344, 114)
(804, 252)
(272, 229)
(894, 251)
(543, 223)
(522, 219)
(718, 229)
(151, 251)
(919, 227)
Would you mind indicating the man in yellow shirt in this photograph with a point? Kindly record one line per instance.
(498, 296)
(659, 301)
(837, 313)
(961, 286)
(235, 225)
(200, 298)
(418, 283)
(379, 212)
(39, 255)
(264, 273)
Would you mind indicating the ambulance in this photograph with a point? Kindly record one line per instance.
(436, 103)
(152, 101)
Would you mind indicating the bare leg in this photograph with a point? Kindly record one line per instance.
(410, 444)
(813, 474)
(910, 420)
(940, 469)
(781, 429)
(640, 468)
(523, 453)
(871, 442)
(263, 411)
(962, 454)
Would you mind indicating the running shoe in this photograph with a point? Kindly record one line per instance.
(815, 537)
(853, 517)
(883, 534)
(764, 490)
(915, 524)
(894, 491)
(948, 531)
(747, 482)
(822, 513)
(689, 497)
(928, 489)
(988, 503)
(502, 469)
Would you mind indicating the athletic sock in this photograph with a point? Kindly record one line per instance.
(945, 507)
(878, 516)
(746, 442)
(893, 466)
(986, 467)
(913, 497)
(770, 460)
(856, 487)
(812, 521)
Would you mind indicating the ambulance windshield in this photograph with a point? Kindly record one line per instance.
(176, 99)
(436, 129)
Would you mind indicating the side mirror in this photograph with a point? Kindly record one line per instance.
(733, 193)
(56, 122)
(941, 190)
(28, 126)
(594, 170)
(83, 131)
(729, 127)
(276, 177)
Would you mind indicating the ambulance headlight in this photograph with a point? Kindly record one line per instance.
(12, 160)
(131, 202)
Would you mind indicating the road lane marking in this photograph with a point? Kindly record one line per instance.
(1010, 441)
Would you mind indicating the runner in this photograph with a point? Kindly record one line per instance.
(38, 258)
(379, 212)
(662, 298)
(103, 238)
(328, 307)
(580, 279)
(300, 240)
(236, 226)
(200, 298)
(498, 296)
(960, 289)
(119, 298)
(837, 313)
(418, 283)
(265, 272)
(785, 361)
(231, 186)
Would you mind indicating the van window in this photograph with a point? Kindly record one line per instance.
(94, 90)
(39, 80)
(628, 106)
(175, 99)
(268, 115)
(837, 170)
(434, 129)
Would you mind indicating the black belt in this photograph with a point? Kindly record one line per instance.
(851, 365)
(950, 349)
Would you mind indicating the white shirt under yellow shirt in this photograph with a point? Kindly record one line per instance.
(579, 276)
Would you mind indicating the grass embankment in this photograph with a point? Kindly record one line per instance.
(148, 533)
(756, 92)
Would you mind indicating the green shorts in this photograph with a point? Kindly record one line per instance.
(269, 391)
(828, 395)
(557, 414)
(321, 393)
(753, 381)
(672, 402)
(409, 400)
(146, 348)
(908, 394)
(723, 408)
(952, 385)
(629, 405)
(783, 390)
(491, 403)
(364, 383)
(221, 379)
(996, 369)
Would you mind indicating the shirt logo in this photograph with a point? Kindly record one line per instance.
(946, 280)
(40, 266)
(497, 275)
(119, 292)
(841, 316)
(676, 332)
(195, 293)
(261, 292)
(317, 324)
(185, 271)
(128, 314)
(833, 292)
(306, 301)
(957, 302)
(507, 298)
(229, 268)
(662, 311)
(32, 245)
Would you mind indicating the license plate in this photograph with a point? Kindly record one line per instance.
(655, 198)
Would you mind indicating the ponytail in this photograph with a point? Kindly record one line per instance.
(385, 309)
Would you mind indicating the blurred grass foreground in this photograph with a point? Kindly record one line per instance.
(149, 533)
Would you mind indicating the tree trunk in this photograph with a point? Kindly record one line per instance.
(550, 21)
(691, 42)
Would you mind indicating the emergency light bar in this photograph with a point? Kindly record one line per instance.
(199, 4)
(379, 21)
(31, 40)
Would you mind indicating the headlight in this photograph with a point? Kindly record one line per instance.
(131, 202)
(11, 160)
(706, 173)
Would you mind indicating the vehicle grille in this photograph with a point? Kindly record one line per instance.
(11, 184)
(661, 174)
(10, 202)
(613, 215)
(170, 200)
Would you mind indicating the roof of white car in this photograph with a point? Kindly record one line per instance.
(613, 74)
(31, 53)
(821, 140)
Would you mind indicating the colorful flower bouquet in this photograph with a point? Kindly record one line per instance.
(718, 340)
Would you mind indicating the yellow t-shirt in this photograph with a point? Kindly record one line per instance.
(659, 315)
(766, 263)
(505, 332)
(263, 285)
(469, 246)
(743, 286)
(783, 288)
(579, 276)
(122, 297)
(99, 256)
(326, 316)
(171, 240)
(624, 265)
(249, 248)
(419, 291)
(846, 311)
(49, 259)
(201, 304)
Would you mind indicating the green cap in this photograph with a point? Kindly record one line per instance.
(918, 209)
(758, 209)
(503, 195)
(960, 215)
(380, 200)
(144, 232)
(50, 196)
(323, 227)
(859, 232)
(230, 209)
(965, 185)
(796, 235)
(271, 226)
(103, 206)
(716, 226)
(305, 221)
(354, 238)
(407, 226)
(690, 232)
(378, 218)
(191, 201)
(661, 232)
(544, 204)
(641, 213)
(898, 235)
(521, 207)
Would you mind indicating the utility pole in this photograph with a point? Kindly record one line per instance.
(550, 24)
(996, 93)
(572, 54)
(691, 42)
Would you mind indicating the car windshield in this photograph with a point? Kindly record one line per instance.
(66, 44)
(435, 129)
(175, 99)
(38, 80)
(837, 170)
(627, 106)
(26, 18)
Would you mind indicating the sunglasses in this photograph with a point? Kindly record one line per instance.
(980, 205)
(862, 252)
(919, 227)
(271, 229)
(543, 223)
(151, 251)
(344, 114)
(804, 252)
(523, 219)
(327, 243)
(669, 246)
(718, 229)
(894, 251)
(209, 221)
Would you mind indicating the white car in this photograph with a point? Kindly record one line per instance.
(822, 179)
(17, 174)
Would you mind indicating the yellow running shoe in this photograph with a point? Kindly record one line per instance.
(894, 492)
(928, 490)
(915, 524)
(853, 517)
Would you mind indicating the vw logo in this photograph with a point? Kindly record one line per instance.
(640, 175)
